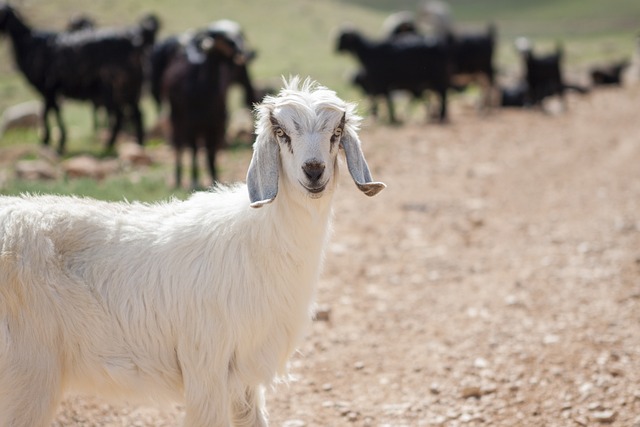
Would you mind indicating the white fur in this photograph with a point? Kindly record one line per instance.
(202, 300)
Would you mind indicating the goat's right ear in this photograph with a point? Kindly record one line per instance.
(357, 164)
(262, 177)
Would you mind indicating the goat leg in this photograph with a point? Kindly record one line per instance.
(63, 130)
(46, 136)
(138, 121)
(211, 155)
(50, 104)
(178, 160)
(443, 105)
(392, 114)
(117, 125)
(195, 172)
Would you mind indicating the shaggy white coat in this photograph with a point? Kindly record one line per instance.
(200, 301)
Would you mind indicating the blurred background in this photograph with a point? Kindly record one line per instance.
(288, 37)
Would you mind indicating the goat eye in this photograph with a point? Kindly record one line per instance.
(337, 133)
(279, 133)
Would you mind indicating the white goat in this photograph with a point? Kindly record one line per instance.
(202, 300)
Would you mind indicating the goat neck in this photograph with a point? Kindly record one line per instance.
(304, 219)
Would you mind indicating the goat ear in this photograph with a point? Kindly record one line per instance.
(357, 164)
(262, 177)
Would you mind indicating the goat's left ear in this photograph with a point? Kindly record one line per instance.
(262, 177)
(357, 164)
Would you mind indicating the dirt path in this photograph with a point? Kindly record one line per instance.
(496, 282)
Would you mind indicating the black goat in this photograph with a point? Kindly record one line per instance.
(473, 58)
(472, 53)
(241, 75)
(395, 27)
(195, 81)
(104, 67)
(610, 74)
(543, 75)
(364, 82)
(82, 22)
(167, 49)
(414, 64)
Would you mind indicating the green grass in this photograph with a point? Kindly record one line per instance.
(148, 188)
(298, 37)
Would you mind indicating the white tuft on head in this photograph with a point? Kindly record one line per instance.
(299, 134)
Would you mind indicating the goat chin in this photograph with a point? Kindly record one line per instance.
(202, 300)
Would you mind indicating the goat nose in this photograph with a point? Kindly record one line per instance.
(313, 170)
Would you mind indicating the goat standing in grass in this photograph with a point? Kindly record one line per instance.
(105, 67)
(202, 300)
(413, 64)
(472, 51)
(196, 82)
(194, 73)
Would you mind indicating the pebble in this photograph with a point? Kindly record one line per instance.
(471, 391)
(480, 363)
(580, 420)
(439, 420)
(323, 313)
(604, 416)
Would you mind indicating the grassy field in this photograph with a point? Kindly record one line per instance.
(298, 36)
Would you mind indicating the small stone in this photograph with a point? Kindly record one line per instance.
(323, 313)
(134, 154)
(83, 166)
(471, 391)
(480, 363)
(604, 416)
(294, 423)
(580, 420)
(35, 170)
(439, 420)
(352, 416)
(586, 388)
(489, 389)
(21, 116)
(595, 406)
(434, 388)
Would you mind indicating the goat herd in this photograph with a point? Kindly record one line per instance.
(192, 72)
(408, 59)
(109, 67)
